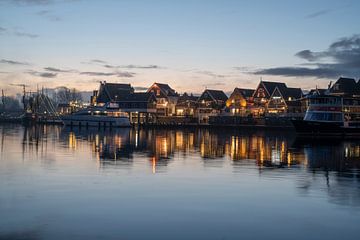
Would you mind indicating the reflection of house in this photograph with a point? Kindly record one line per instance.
(186, 105)
(111, 92)
(166, 99)
(262, 95)
(210, 103)
(285, 100)
(239, 101)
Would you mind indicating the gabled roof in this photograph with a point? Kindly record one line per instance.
(137, 97)
(165, 88)
(113, 91)
(345, 86)
(217, 95)
(270, 86)
(245, 92)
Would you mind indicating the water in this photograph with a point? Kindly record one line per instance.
(57, 183)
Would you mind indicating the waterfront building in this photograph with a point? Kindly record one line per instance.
(210, 103)
(186, 105)
(110, 92)
(345, 87)
(141, 106)
(285, 101)
(240, 102)
(262, 95)
(166, 98)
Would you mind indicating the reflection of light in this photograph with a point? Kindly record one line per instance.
(153, 165)
(179, 139)
(72, 140)
(136, 138)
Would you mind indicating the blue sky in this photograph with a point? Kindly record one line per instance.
(188, 44)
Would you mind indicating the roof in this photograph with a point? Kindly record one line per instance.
(217, 94)
(346, 86)
(113, 91)
(166, 89)
(294, 93)
(137, 97)
(245, 92)
(270, 86)
(317, 91)
(187, 97)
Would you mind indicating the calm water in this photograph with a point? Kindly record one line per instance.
(57, 183)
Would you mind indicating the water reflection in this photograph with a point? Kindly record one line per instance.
(336, 161)
(142, 178)
(267, 149)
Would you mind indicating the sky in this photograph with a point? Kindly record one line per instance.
(191, 45)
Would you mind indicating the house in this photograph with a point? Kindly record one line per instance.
(210, 103)
(239, 101)
(110, 92)
(345, 87)
(285, 100)
(141, 106)
(186, 105)
(166, 98)
(262, 95)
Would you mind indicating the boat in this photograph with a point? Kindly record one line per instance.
(329, 115)
(97, 116)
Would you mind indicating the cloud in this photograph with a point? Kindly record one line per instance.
(125, 74)
(16, 32)
(52, 69)
(29, 2)
(98, 73)
(132, 66)
(25, 34)
(42, 74)
(119, 74)
(342, 57)
(213, 84)
(36, 2)
(48, 15)
(211, 74)
(3, 30)
(11, 62)
(299, 71)
(319, 13)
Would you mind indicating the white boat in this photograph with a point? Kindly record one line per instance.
(97, 117)
(330, 115)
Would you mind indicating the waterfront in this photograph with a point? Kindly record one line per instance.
(58, 183)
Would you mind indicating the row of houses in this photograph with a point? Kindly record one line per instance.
(160, 100)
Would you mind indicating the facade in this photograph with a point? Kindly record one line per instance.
(166, 98)
(141, 106)
(262, 96)
(285, 100)
(210, 103)
(186, 105)
(240, 102)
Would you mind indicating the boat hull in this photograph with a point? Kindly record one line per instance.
(95, 121)
(317, 128)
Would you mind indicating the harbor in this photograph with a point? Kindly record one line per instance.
(332, 111)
